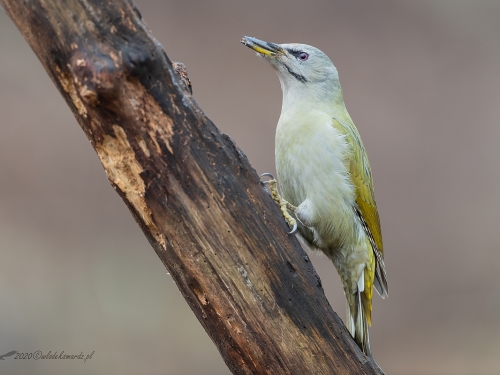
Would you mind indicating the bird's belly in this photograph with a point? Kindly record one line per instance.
(313, 176)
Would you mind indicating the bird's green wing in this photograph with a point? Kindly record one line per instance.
(361, 176)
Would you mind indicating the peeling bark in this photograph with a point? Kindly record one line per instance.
(192, 191)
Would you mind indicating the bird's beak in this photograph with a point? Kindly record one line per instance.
(264, 48)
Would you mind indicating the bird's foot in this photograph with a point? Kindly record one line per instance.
(284, 205)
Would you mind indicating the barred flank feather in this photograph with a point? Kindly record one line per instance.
(380, 275)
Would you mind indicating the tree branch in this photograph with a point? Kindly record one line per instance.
(192, 191)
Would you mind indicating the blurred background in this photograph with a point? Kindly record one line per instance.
(421, 80)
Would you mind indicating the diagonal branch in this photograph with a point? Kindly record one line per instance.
(192, 191)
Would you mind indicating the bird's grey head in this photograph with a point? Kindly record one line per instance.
(303, 70)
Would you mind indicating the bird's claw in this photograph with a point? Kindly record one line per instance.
(271, 177)
(294, 229)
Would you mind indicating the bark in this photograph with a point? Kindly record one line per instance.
(191, 190)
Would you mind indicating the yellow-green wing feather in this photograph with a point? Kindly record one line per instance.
(365, 197)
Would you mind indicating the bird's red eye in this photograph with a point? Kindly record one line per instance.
(303, 56)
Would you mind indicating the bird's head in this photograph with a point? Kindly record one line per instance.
(304, 71)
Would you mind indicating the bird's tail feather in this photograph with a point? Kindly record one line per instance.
(357, 322)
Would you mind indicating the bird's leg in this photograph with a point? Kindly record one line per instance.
(284, 205)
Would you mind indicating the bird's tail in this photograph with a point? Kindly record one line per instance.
(359, 317)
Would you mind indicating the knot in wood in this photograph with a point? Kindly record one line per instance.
(96, 75)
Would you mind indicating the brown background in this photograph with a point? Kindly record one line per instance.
(421, 81)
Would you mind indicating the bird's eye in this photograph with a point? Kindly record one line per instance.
(303, 56)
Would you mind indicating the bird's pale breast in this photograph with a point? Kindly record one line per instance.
(311, 161)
